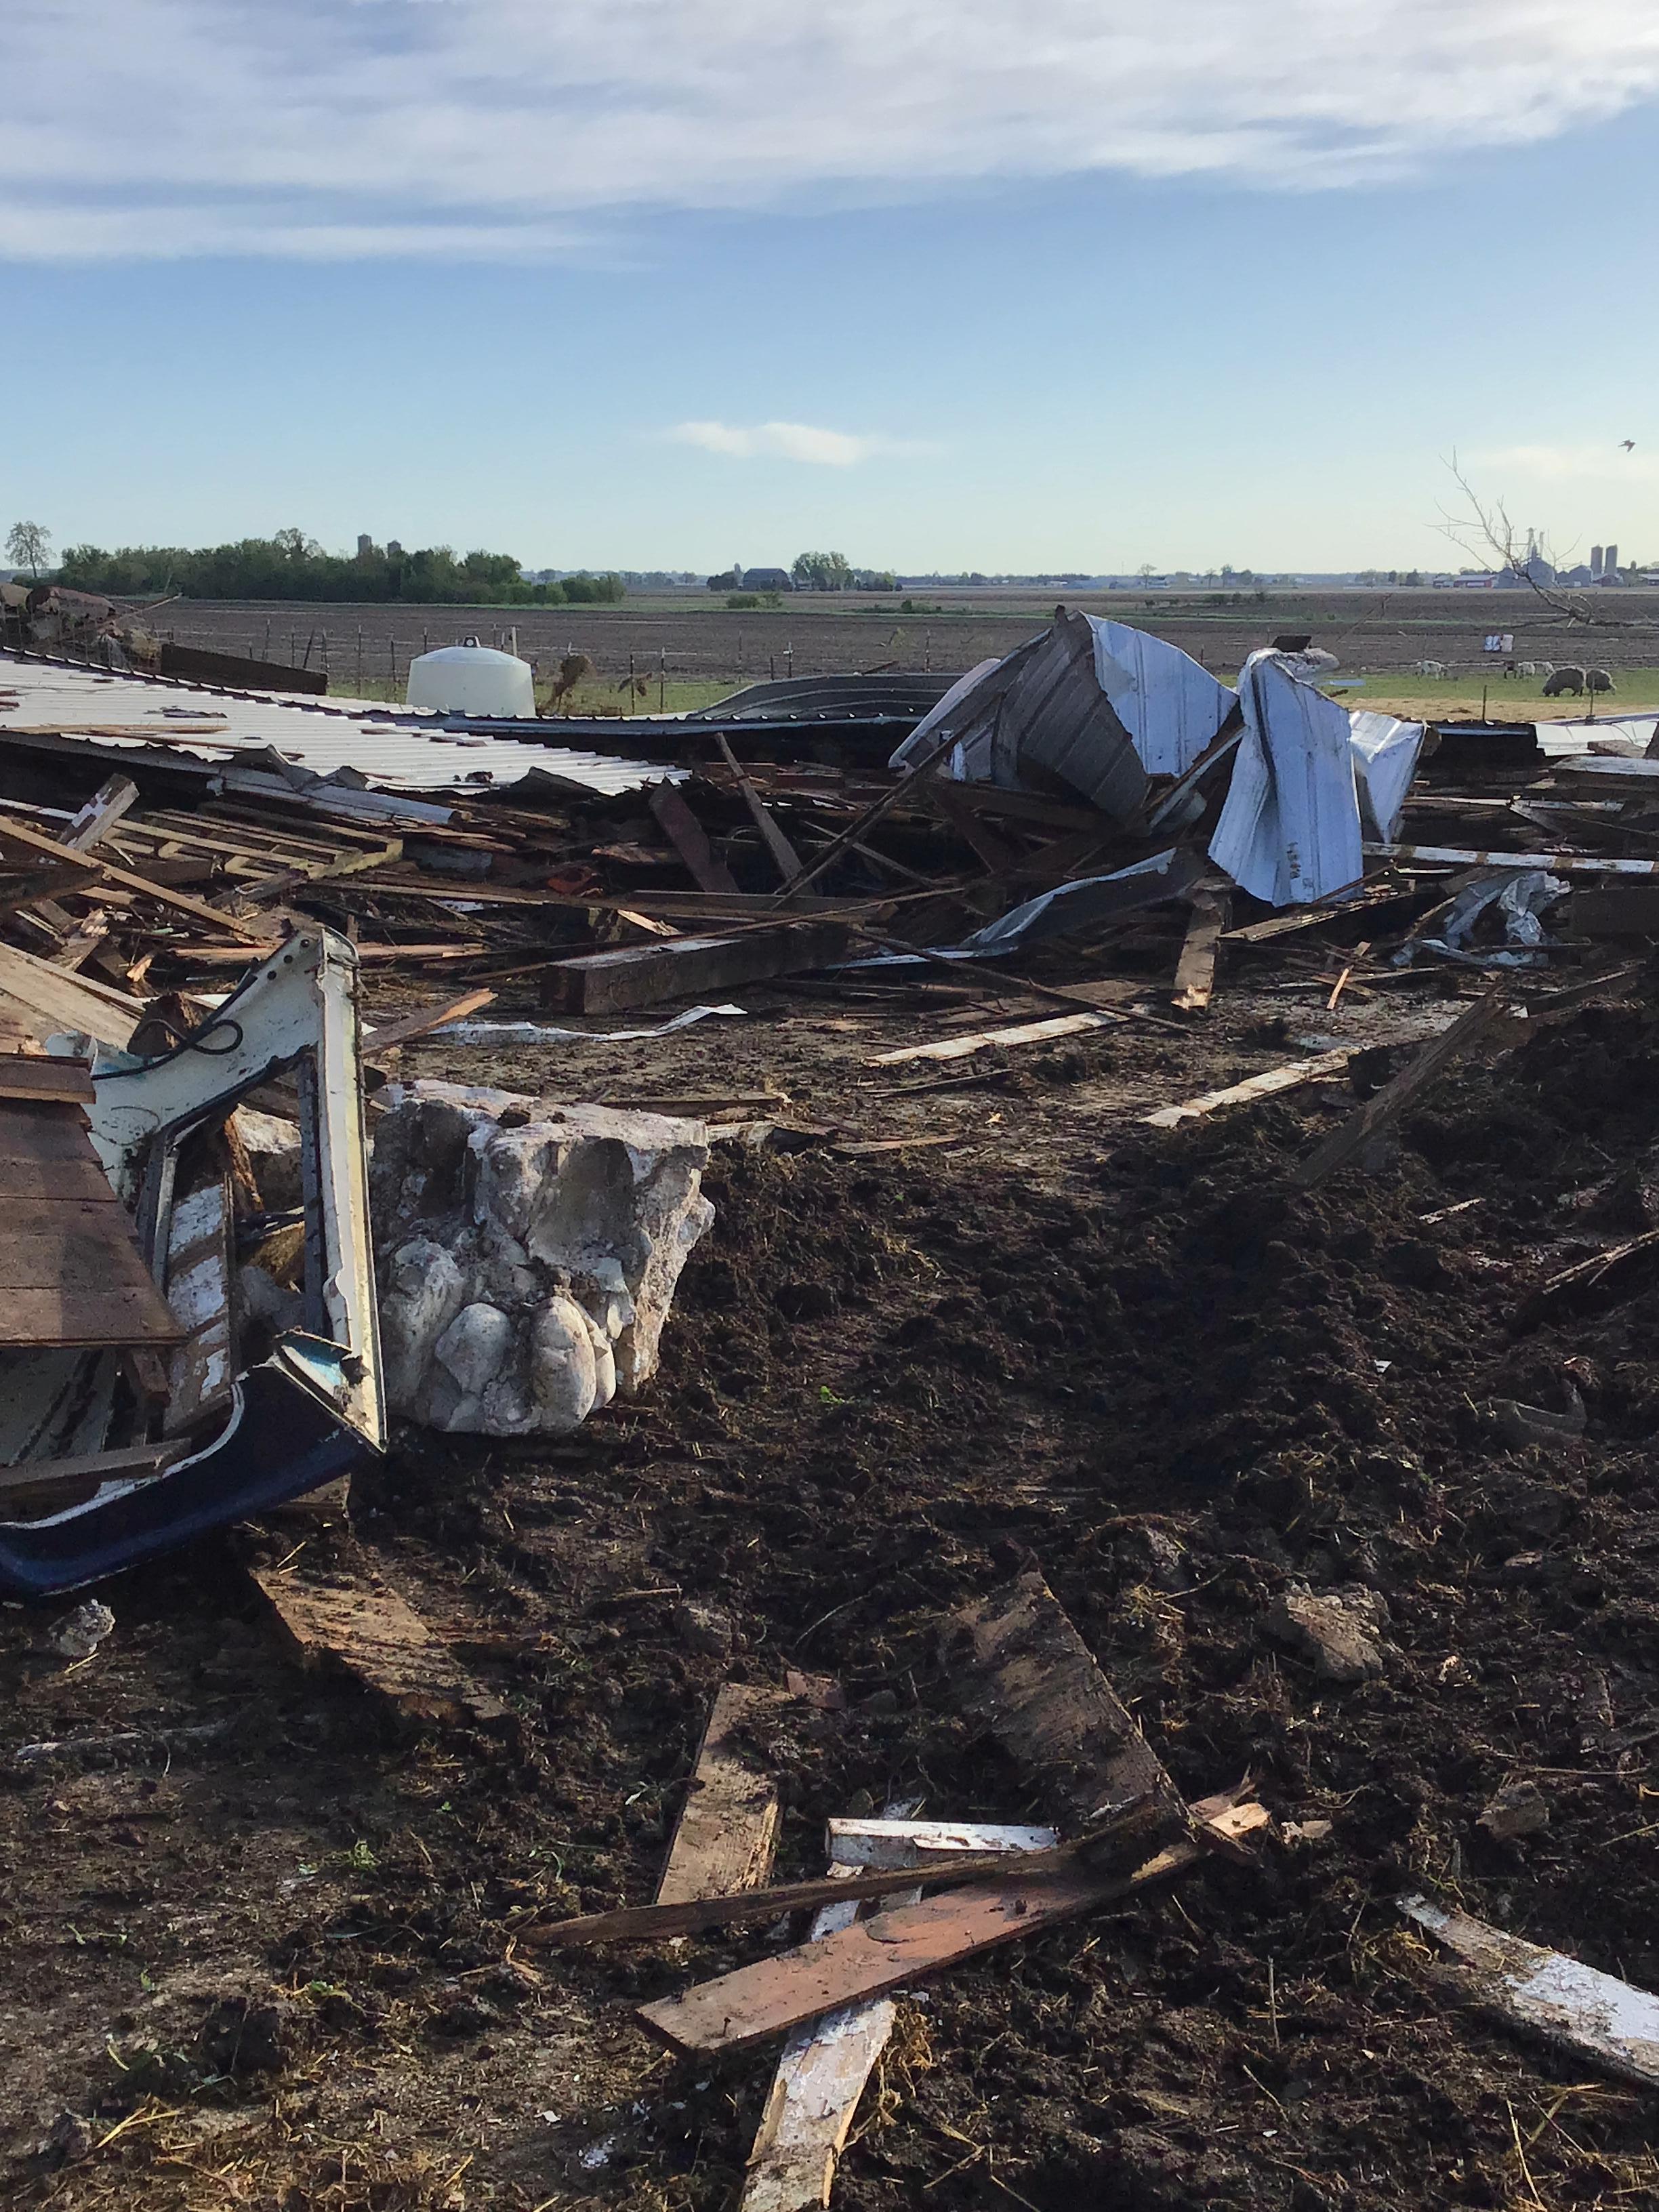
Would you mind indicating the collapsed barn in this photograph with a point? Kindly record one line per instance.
(652, 1404)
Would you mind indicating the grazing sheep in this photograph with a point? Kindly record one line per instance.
(1564, 679)
(1546, 668)
(1432, 668)
(1598, 680)
(1526, 668)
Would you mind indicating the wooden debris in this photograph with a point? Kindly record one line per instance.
(826, 2063)
(690, 839)
(44, 1001)
(1378, 1113)
(423, 1021)
(71, 1272)
(1019, 1664)
(200, 1276)
(1554, 864)
(908, 1943)
(1195, 975)
(642, 974)
(1575, 2008)
(959, 1047)
(785, 858)
(1587, 1275)
(89, 1469)
(101, 812)
(376, 1637)
(1289, 1077)
(24, 833)
(727, 1832)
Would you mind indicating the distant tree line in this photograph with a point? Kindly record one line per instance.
(291, 566)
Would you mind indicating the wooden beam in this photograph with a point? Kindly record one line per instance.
(45, 883)
(785, 858)
(22, 833)
(1391, 1101)
(690, 839)
(641, 975)
(910, 1942)
(45, 1079)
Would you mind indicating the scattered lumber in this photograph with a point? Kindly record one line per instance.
(369, 1633)
(726, 1836)
(1379, 1112)
(23, 833)
(42, 1001)
(826, 2063)
(1554, 864)
(423, 1021)
(1018, 1664)
(909, 1943)
(644, 975)
(1575, 2008)
(1587, 1275)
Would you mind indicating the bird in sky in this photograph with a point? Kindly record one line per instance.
(1627, 445)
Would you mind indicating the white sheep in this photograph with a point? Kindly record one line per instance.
(1432, 668)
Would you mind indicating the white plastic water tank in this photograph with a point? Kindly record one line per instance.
(471, 679)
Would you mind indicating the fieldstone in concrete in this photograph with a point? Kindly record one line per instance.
(528, 1253)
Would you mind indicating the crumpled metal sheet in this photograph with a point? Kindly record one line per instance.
(1290, 830)
(1386, 752)
(1084, 904)
(1172, 707)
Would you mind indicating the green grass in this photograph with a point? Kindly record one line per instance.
(1398, 691)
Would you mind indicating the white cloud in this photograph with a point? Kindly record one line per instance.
(791, 441)
(485, 126)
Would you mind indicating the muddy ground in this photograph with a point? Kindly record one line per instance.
(265, 1948)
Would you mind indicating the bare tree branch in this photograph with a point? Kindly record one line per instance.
(1483, 527)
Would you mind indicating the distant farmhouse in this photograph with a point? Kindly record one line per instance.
(767, 579)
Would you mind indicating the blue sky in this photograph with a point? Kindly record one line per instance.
(665, 282)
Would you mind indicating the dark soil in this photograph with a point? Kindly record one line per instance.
(286, 1955)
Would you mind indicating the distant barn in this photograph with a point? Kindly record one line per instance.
(767, 579)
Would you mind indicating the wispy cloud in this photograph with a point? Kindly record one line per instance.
(488, 127)
(793, 441)
(1590, 462)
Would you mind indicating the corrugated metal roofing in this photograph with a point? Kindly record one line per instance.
(414, 753)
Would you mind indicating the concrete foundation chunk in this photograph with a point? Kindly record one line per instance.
(528, 1253)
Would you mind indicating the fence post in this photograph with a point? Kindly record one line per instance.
(628, 709)
(662, 677)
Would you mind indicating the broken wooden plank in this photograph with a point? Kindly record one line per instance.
(1195, 975)
(101, 812)
(49, 1079)
(378, 1639)
(134, 1465)
(1554, 864)
(1586, 1275)
(23, 833)
(726, 1836)
(1369, 1120)
(827, 2062)
(1310, 917)
(910, 1942)
(42, 885)
(959, 1047)
(653, 1923)
(690, 839)
(44, 1000)
(1289, 1077)
(1018, 1664)
(1575, 2007)
(642, 974)
(423, 1020)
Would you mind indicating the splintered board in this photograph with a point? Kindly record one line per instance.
(377, 1637)
(727, 1831)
